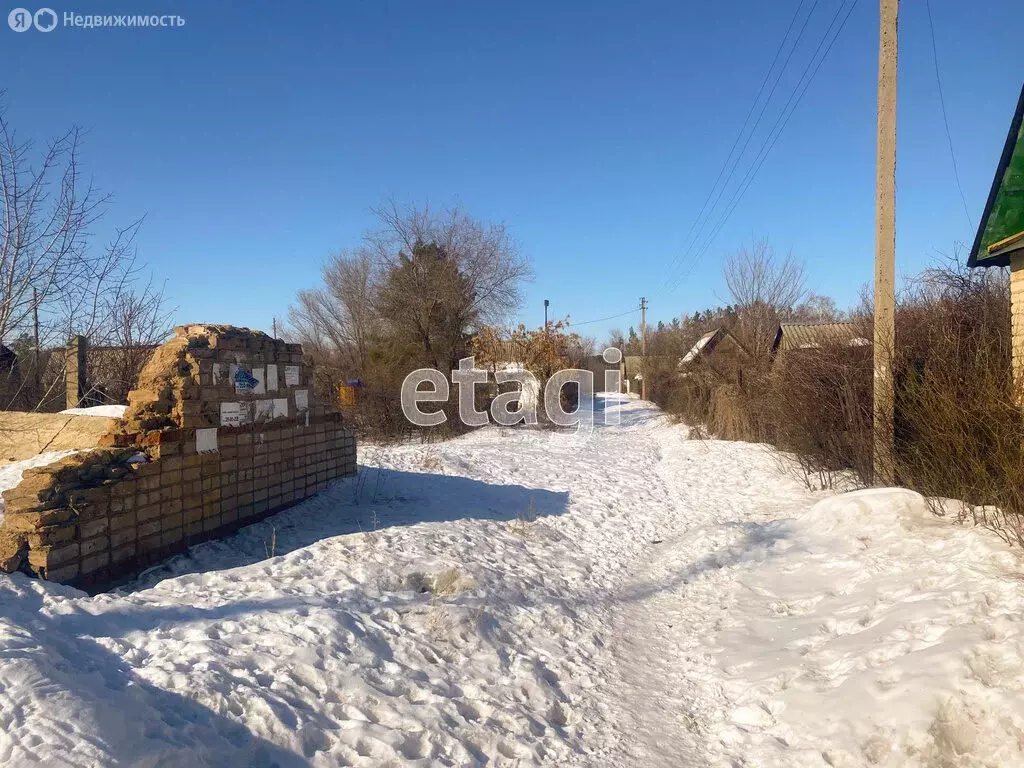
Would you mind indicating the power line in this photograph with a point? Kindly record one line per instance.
(758, 158)
(760, 116)
(746, 120)
(945, 120)
(773, 135)
(603, 319)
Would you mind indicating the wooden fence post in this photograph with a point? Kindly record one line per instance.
(78, 348)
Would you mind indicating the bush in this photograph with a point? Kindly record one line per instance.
(958, 412)
(822, 410)
(958, 415)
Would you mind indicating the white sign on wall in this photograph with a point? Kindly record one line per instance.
(206, 440)
(271, 378)
(231, 415)
(261, 381)
(291, 376)
(264, 410)
(301, 400)
(220, 373)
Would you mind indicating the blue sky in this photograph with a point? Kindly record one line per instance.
(256, 138)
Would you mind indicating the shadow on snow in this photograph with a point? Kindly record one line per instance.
(373, 500)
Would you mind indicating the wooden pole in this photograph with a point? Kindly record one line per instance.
(885, 244)
(643, 348)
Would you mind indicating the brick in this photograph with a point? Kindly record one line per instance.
(171, 478)
(29, 521)
(171, 464)
(147, 512)
(93, 528)
(53, 535)
(229, 515)
(170, 537)
(149, 529)
(121, 554)
(172, 521)
(64, 572)
(98, 544)
(95, 562)
(120, 538)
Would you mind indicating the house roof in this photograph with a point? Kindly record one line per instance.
(1002, 222)
(816, 335)
(707, 343)
(697, 348)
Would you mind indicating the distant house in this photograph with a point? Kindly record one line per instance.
(598, 367)
(631, 369)
(631, 373)
(802, 336)
(718, 351)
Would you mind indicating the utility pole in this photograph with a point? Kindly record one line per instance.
(547, 344)
(274, 323)
(643, 348)
(885, 244)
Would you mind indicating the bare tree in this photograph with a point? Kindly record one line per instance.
(135, 321)
(337, 319)
(484, 254)
(616, 338)
(764, 289)
(53, 280)
(816, 308)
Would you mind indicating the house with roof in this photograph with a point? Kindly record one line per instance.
(999, 241)
(794, 337)
(720, 352)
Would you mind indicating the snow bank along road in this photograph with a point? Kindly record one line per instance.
(529, 598)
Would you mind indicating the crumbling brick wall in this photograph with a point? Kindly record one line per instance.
(222, 432)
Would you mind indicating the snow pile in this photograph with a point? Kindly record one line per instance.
(868, 632)
(11, 474)
(104, 411)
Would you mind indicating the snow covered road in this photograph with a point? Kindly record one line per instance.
(515, 597)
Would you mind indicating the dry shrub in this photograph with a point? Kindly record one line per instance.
(730, 414)
(958, 414)
(822, 410)
(687, 397)
(959, 418)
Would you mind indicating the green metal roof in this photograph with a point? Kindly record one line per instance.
(1004, 212)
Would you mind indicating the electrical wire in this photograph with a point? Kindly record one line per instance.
(773, 135)
(603, 319)
(760, 116)
(945, 119)
(746, 121)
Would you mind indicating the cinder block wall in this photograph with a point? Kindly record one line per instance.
(210, 442)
